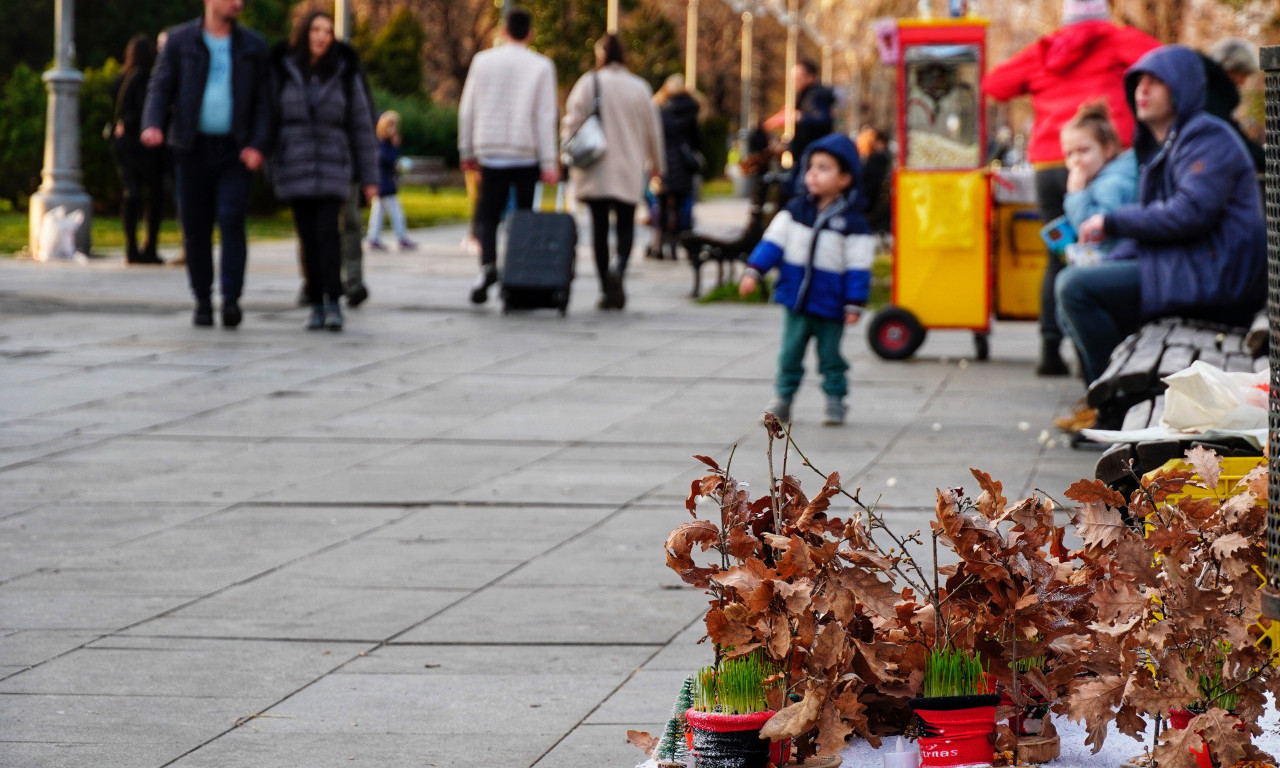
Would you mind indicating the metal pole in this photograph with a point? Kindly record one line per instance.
(1270, 60)
(61, 178)
(342, 19)
(691, 47)
(827, 65)
(793, 41)
(611, 19)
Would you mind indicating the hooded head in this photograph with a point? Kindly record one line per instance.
(1182, 71)
(1075, 11)
(845, 152)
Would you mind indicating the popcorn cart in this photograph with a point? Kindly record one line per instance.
(960, 251)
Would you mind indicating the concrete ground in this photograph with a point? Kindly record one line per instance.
(435, 539)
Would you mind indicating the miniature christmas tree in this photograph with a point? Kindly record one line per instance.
(673, 748)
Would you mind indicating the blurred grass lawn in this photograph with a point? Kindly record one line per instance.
(422, 206)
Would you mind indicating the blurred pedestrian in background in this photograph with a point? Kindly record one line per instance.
(613, 185)
(388, 199)
(681, 138)
(324, 138)
(141, 168)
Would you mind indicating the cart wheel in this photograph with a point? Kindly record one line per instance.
(982, 345)
(895, 334)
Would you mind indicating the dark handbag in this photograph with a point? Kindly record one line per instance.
(693, 160)
(587, 144)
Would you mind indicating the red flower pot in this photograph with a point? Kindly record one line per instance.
(733, 741)
(957, 730)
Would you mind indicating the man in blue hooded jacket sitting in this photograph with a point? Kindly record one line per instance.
(1195, 243)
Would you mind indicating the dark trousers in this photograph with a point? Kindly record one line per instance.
(797, 329)
(624, 223)
(213, 187)
(495, 190)
(316, 219)
(1051, 190)
(142, 188)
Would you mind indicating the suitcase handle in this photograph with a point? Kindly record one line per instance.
(560, 196)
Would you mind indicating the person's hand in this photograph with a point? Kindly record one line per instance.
(251, 158)
(1091, 231)
(370, 191)
(152, 137)
(470, 164)
(1076, 180)
(852, 315)
(551, 176)
(118, 132)
(748, 285)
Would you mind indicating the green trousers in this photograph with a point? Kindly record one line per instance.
(797, 330)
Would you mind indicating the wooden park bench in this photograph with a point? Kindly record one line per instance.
(1129, 393)
(425, 171)
(729, 246)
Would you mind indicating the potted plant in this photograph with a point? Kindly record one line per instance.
(1178, 601)
(956, 715)
(730, 705)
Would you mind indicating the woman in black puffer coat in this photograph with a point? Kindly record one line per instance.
(679, 111)
(323, 140)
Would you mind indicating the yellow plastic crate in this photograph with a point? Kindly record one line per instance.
(1234, 468)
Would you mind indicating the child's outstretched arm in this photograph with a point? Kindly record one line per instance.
(767, 254)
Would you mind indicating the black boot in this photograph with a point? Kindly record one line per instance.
(1051, 362)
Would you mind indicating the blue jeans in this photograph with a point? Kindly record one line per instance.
(213, 187)
(1098, 306)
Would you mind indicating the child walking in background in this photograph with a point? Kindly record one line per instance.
(823, 248)
(388, 131)
(1100, 178)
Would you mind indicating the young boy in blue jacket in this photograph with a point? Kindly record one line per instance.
(822, 247)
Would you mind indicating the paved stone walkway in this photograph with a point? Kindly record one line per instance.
(432, 540)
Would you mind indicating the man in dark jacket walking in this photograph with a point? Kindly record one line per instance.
(207, 98)
(1195, 244)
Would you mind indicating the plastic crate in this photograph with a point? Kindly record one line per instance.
(1234, 468)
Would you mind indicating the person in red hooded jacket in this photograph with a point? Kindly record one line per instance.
(1083, 60)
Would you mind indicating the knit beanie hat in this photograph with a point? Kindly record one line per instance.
(1084, 10)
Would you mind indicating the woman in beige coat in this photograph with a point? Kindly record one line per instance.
(615, 183)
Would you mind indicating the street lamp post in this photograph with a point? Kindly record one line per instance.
(793, 42)
(748, 65)
(691, 46)
(342, 19)
(61, 177)
(611, 18)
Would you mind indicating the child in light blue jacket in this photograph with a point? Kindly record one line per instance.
(822, 247)
(1100, 177)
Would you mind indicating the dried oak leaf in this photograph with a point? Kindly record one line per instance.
(742, 544)
(1098, 524)
(1207, 465)
(991, 502)
(799, 717)
(724, 631)
(877, 595)
(828, 650)
(1093, 703)
(832, 729)
(796, 559)
(1095, 491)
(1223, 548)
(853, 711)
(820, 503)
(643, 741)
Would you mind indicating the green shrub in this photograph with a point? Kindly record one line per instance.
(427, 128)
(394, 58)
(715, 144)
(22, 116)
(97, 110)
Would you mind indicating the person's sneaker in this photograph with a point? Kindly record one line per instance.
(377, 245)
(1084, 417)
(315, 322)
(332, 316)
(480, 290)
(408, 245)
(231, 314)
(357, 295)
(780, 408)
(833, 415)
(203, 317)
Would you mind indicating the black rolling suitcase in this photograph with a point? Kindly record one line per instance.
(541, 250)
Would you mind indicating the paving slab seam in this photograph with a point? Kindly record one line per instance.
(255, 577)
(615, 690)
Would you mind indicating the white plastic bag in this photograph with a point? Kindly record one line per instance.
(58, 234)
(1202, 397)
